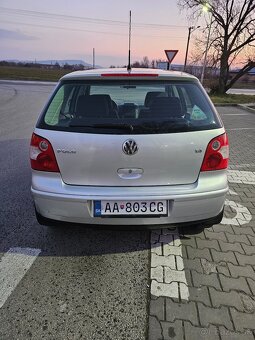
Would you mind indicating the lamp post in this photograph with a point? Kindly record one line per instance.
(206, 8)
(191, 29)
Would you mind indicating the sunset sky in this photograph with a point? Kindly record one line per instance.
(57, 29)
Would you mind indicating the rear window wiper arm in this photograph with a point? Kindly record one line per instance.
(104, 126)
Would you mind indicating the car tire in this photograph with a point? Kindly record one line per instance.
(215, 220)
(40, 219)
(199, 226)
(44, 220)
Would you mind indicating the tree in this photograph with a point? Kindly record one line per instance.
(66, 66)
(136, 64)
(233, 33)
(145, 63)
(56, 65)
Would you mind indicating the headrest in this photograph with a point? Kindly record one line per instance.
(150, 96)
(167, 106)
(93, 106)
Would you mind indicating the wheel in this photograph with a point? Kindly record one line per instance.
(215, 220)
(199, 226)
(45, 221)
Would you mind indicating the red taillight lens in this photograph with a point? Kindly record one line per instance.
(217, 154)
(42, 156)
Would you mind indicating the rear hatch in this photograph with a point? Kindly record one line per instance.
(129, 132)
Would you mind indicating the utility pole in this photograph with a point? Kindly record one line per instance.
(94, 65)
(191, 29)
(187, 48)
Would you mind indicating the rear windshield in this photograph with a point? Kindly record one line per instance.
(128, 107)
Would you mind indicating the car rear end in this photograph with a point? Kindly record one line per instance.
(140, 147)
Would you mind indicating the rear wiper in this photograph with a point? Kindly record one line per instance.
(104, 126)
(115, 126)
(156, 127)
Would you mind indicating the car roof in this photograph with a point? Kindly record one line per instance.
(135, 73)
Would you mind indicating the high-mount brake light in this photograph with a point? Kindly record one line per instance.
(217, 154)
(42, 156)
(129, 75)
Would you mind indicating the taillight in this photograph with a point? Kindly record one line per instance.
(42, 156)
(217, 154)
(129, 75)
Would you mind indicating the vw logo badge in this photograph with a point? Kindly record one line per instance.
(130, 147)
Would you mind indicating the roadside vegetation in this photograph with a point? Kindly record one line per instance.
(230, 36)
(233, 99)
(43, 74)
(31, 73)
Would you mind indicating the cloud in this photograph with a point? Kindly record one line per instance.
(15, 35)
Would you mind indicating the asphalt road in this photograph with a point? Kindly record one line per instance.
(86, 283)
(111, 284)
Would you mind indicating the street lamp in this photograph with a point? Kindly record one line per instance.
(191, 29)
(206, 8)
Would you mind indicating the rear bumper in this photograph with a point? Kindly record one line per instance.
(187, 203)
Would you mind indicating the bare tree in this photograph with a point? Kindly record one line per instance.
(232, 32)
(145, 63)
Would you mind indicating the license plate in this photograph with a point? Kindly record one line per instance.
(130, 208)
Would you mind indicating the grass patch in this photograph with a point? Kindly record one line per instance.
(245, 85)
(232, 99)
(31, 73)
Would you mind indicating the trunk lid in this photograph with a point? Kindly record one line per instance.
(98, 159)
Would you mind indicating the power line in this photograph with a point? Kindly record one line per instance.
(85, 30)
(47, 15)
(61, 28)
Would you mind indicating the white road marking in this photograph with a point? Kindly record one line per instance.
(243, 216)
(236, 129)
(232, 192)
(167, 268)
(13, 266)
(236, 114)
(245, 177)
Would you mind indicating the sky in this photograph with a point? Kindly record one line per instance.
(54, 29)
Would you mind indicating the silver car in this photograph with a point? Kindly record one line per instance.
(129, 147)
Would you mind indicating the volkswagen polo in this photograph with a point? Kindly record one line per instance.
(142, 146)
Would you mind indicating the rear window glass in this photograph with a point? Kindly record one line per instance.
(129, 107)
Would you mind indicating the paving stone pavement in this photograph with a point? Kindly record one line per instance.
(203, 281)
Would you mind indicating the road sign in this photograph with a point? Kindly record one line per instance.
(162, 65)
(171, 54)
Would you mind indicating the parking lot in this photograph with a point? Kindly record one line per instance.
(122, 283)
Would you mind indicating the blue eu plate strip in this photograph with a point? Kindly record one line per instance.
(97, 208)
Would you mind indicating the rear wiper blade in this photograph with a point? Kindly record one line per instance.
(103, 126)
(115, 126)
(162, 126)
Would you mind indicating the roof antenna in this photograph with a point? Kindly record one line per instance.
(129, 43)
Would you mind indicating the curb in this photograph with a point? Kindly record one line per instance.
(246, 107)
(241, 106)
